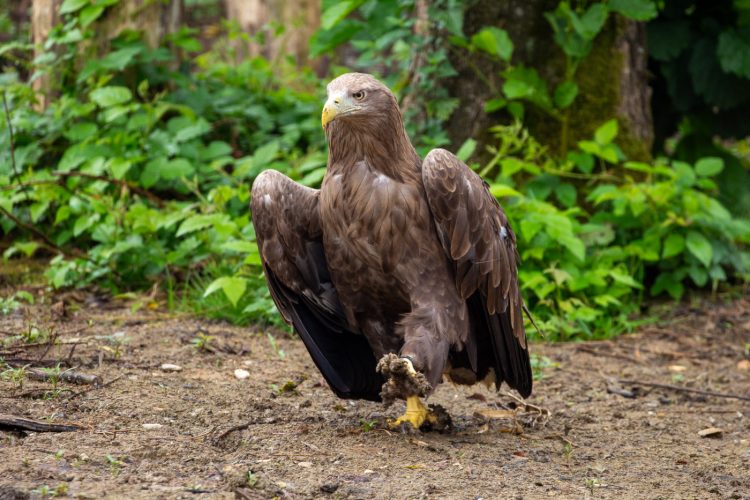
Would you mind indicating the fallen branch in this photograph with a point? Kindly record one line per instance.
(686, 389)
(16, 423)
(67, 376)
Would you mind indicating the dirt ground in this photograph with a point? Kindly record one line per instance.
(202, 432)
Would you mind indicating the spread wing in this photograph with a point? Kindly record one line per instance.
(288, 230)
(476, 236)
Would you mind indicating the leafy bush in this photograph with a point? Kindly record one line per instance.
(596, 232)
(132, 186)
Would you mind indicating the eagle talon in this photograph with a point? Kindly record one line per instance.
(416, 415)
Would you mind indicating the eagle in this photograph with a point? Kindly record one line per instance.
(397, 271)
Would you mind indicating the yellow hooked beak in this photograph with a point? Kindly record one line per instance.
(336, 105)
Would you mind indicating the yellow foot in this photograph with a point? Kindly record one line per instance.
(416, 414)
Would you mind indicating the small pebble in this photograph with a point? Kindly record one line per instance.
(152, 427)
(712, 432)
(241, 374)
(168, 367)
(305, 464)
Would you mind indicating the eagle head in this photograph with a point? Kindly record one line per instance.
(359, 100)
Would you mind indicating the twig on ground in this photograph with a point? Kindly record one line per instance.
(686, 389)
(597, 352)
(67, 376)
(240, 427)
(16, 423)
(100, 386)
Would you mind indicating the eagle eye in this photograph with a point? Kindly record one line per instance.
(359, 95)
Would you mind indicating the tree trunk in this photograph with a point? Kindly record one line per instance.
(154, 19)
(44, 17)
(299, 19)
(612, 79)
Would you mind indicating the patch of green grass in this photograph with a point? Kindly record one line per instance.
(540, 365)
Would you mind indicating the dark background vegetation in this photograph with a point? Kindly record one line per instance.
(613, 133)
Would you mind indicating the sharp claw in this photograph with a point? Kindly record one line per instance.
(409, 366)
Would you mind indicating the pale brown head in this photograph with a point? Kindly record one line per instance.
(360, 99)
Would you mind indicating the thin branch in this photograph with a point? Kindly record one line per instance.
(686, 389)
(51, 244)
(120, 182)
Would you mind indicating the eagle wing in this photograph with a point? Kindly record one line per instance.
(288, 230)
(476, 236)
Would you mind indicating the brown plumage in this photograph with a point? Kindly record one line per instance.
(392, 255)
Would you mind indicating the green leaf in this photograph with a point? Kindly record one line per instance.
(700, 247)
(734, 51)
(119, 59)
(565, 94)
(525, 83)
(621, 277)
(119, 167)
(153, 170)
(84, 222)
(80, 131)
(669, 283)
(265, 154)
(606, 133)
(196, 222)
(466, 150)
(673, 245)
(90, 14)
(501, 190)
(494, 41)
(698, 275)
(241, 246)
(708, 167)
(567, 194)
(667, 39)
(233, 287)
(111, 96)
(494, 104)
(177, 168)
(592, 21)
(336, 12)
(637, 10)
(69, 6)
(685, 173)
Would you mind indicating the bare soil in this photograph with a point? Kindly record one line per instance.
(203, 433)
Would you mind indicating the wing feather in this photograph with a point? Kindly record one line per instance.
(476, 236)
(288, 230)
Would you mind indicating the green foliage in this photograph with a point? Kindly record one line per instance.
(701, 52)
(153, 184)
(382, 36)
(596, 232)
